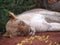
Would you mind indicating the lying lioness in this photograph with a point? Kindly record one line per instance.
(32, 21)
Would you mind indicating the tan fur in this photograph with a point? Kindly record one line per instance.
(33, 20)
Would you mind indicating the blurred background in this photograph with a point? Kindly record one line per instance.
(19, 6)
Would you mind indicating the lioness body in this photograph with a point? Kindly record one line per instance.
(35, 20)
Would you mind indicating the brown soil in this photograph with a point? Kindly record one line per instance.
(51, 38)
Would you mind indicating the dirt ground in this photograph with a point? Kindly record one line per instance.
(42, 38)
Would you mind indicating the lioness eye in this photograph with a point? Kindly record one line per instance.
(21, 31)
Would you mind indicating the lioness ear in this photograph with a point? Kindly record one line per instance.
(11, 15)
(7, 34)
